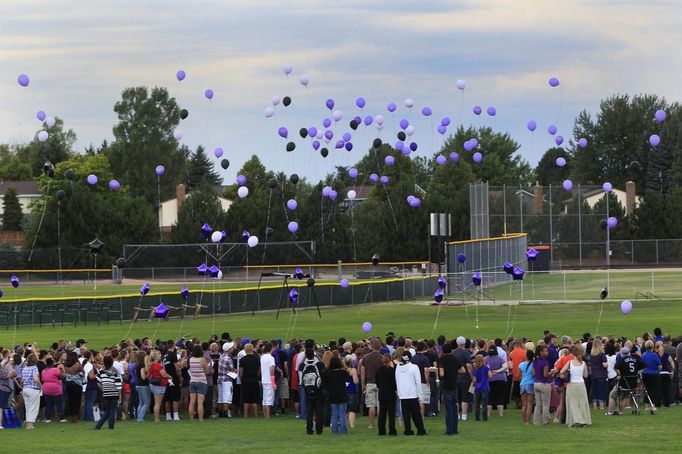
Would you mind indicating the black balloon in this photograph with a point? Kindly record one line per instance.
(272, 183)
(324, 152)
(604, 293)
(353, 125)
(291, 146)
(224, 163)
(402, 135)
(294, 178)
(61, 195)
(268, 232)
(121, 262)
(95, 246)
(603, 223)
(303, 132)
(311, 282)
(48, 168)
(375, 259)
(69, 174)
(635, 166)
(286, 101)
(184, 114)
(377, 143)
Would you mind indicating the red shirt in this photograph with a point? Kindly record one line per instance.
(155, 372)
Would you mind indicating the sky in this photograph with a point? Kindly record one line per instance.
(80, 56)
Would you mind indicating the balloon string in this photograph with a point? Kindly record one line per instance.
(158, 205)
(40, 223)
(352, 228)
(156, 329)
(390, 205)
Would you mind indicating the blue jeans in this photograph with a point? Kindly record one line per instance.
(450, 399)
(302, 411)
(481, 404)
(144, 396)
(110, 407)
(600, 390)
(54, 401)
(339, 418)
(90, 399)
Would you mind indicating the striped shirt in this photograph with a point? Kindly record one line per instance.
(196, 371)
(111, 382)
(27, 377)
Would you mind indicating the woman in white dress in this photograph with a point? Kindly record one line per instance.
(577, 405)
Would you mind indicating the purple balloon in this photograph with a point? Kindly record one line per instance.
(410, 198)
(384, 180)
(218, 152)
(399, 145)
(468, 146)
(241, 180)
(626, 307)
(340, 144)
(326, 122)
(346, 136)
(404, 123)
(476, 279)
(114, 185)
(160, 170)
(283, 132)
(477, 110)
(413, 146)
(416, 202)
(517, 273)
(478, 157)
(357, 119)
(426, 111)
(145, 288)
(560, 161)
(360, 102)
(312, 131)
(326, 191)
(329, 103)
(180, 75)
(532, 126)
(441, 160)
(389, 160)
(442, 130)
(532, 254)
(292, 204)
(348, 146)
(660, 116)
(329, 134)
(567, 184)
(445, 121)
(374, 178)
(391, 107)
(208, 93)
(344, 283)
(491, 111)
(474, 142)
(92, 179)
(293, 227)
(454, 156)
(368, 120)
(582, 143)
(332, 195)
(438, 295)
(611, 222)
(551, 129)
(316, 144)
(559, 140)
(553, 82)
(353, 173)
(287, 69)
(654, 140)
(23, 80)
(366, 327)
(461, 258)
(607, 187)
(40, 115)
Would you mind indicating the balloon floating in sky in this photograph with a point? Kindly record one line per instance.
(145, 288)
(292, 204)
(269, 112)
(567, 185)
(209, 93)
(286, 101)
(50, 121)
(654, 140)
(559, 140)
(461, 85)
(476, 279)
(660, 116)
(389, 160)
(114, 185)
(560, 161)
(532, 254)
(438, 295)
(304, 79)
(177, 134)
(160, 170)
(23, 80)
(252, 241)
(607, 187)
(217, 236)
(477, 157)
(409, 103)
(517, 273)
(293, 296)
(242, 192)
(92, 179)
(40, 115)
(161, 311)
(507, 267)
(553, 82)
(14, 280)
(180, 75)
(582, 142)
(532, 126)
(218, 152)
(43, 136)
(293, 227)
(441, 160)
(477, 110)
(344, 283)
(287, 69)
(360, 102)
(353, 173)
(461, 258)
(441, 282)
(225, 164)
(202, 269)
(626, 307)
(491, 111)
(184, 113)
(454, 157)
(611, 222)
(551, 129)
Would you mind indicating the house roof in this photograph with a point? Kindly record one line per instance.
(362, 192)
(22, 187)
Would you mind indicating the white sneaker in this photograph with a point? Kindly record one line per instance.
(62, 420)
(47, 421)
(464, 417)
(177, 417)
(168, 417)
(229, 414)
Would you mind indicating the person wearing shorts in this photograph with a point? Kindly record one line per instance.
(267, 370)
(249, 372)
(158, 381)
(527, 387)
(225, 367)
(198, 385)
(369, 365)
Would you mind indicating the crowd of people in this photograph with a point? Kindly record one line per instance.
(396, 381)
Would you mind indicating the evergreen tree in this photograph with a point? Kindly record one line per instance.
(200, 171)
(12, 214)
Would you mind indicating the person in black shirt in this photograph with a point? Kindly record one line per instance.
(311, 385)
(448, 370)
(249, 372)
(171, 398)
(385, 381)
(335, 379)
(627, 371)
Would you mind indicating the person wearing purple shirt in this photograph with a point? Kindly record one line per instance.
(542, 387)
(598, 366)
(481, 376)
(498, 367)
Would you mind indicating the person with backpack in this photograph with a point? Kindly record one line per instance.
(311, 382)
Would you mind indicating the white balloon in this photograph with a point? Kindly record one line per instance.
(380, 126)
(379, 119)
(409, 130)
(216, 236)
(242, 192)
(337, 115)
(42, 136)
(319, 135)
(276, 99)
(409, 102)
(220, 274)
(269, 112)
(304, 79)
(352, 195)
(177, 134)
(252, 241)
(461, 84)
(50, 121)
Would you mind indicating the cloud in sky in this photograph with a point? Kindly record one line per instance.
(80, 55)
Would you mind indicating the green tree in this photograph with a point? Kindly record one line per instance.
(144, 139)
(12, 166)
(548, 172)
(201, 206)
(12, 214)
(200, 171)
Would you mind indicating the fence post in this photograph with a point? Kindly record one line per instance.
(653, 280)
(564, 274)
(632, 251)
(656, 252)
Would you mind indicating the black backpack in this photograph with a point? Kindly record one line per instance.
(310, 378)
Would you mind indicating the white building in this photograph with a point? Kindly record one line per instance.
(168, 211)
(28, 192)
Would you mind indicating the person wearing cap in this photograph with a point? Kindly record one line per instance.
(408, 384)
(627, 370)
(225, 366)
(464, 396)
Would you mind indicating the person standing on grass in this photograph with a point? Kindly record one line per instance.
(577, 405)
(74, 386)
(171, 398)
(386, 386)
(517, 356)
(369, 365)
(422, 362)
(464, 396)
(667, 367)
(599, 372)
(110, 383)
(7, 375)
(498, 382)
(225, 367)
(352, 389)
(144, 395)
(559, 384)
(268, 381)
(651, 374)
(90, 386)
(408, 383)
(311, 372)
(158, 380)
(481, 379)
(527, 386)
(53, 392)
(335, 379)
(542, 388)
(448, 370)
(249, 371)
(198, 368)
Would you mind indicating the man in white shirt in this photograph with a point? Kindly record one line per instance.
(267, 370)
(409, 385)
